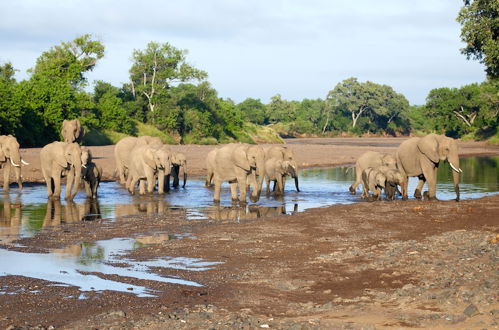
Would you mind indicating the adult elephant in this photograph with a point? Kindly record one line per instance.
(72, 131)
(287, 159)
(420, 157)
(145, 163)
(236, 164)
(60, 159)
(372, 159)
(122, 152)
(10, 157)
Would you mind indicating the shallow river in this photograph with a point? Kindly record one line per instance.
(24, 213)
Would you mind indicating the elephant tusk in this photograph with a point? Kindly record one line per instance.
(24, 162)
(16, 165)
(455, 169)
(82, 165)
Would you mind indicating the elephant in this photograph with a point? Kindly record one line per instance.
(145, 163)
(59, 159)
(372, 180)
(283, 154)
(72, 131)
(237, 164)
(179, 161)
(393, 179)
(420, 157)
(122, 152)
(10, 157)
(125, 146)
(91, 173)
(276, 171)
(372, 159)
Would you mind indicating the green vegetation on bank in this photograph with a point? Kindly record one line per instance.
(169, 98)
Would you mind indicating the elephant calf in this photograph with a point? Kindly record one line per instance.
(373, 180)
(90, 173)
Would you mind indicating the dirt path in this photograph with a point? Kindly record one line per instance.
(372, 265)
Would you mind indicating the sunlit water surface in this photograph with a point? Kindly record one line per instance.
(24, 213)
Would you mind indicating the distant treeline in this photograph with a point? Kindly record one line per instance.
(166, 92)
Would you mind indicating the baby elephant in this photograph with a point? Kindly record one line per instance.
(393, 180)
(373, 180)
(90, 173)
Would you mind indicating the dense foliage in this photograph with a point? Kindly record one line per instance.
(480, 32)
(169, 98)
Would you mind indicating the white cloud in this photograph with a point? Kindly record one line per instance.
(297, 48)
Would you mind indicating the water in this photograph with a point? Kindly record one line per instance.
(27, 212)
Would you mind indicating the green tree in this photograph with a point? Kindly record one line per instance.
(480, 32)
(379, 104)
(157, 68)
(10, 103)
(279, 110)
(253, 111)
(111, 112)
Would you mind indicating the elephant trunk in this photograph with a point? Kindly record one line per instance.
(294, 174)
(456, 171)
(15, 159)
(296, 184)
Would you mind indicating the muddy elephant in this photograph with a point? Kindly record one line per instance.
(283, 154)
(372, 180)
(276, 171)
(60, 159)
(420, 157)
(10, 157)
(237, 164)
(372, 159)
(72, 131)
(91, 173)
(145, 164)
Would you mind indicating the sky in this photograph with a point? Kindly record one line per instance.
(258, 48)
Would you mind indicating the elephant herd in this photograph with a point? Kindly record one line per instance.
(415, 157)
(145, 161)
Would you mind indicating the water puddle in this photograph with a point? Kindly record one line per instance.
(25, 213)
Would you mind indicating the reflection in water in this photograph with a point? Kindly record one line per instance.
(73, 212)
(218, 212)
(149, 205)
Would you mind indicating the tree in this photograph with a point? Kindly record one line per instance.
(157, 68)
(10, 107)
(279, 110)
(379, 103)
(253, 111)
(480, 32)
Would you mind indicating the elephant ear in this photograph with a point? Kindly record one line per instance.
(240, 159)
(149, 158)
(428, 145)
(2, 155)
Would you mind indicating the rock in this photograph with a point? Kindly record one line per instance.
(116, 313)
(471, 310)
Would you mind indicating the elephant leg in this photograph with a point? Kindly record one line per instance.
(241, 181)
(430, 173)
(142, 187)
(233, 191)
(419, 188)
(404, 185)
(175, 173)
(280, 185)
(216, 192)
(88, 189)
(48, 182)
(6, 176)
(166, 184)
(17, 171)
(161, 182)
(267, 180)
(57, 185)
(358, 178)
(69, 185)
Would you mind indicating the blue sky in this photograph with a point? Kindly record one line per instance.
(296, 48)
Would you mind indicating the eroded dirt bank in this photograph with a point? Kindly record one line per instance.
(372, 265)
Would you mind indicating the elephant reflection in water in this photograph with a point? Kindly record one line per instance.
(73, 212)
(142, 205)
(218, 212)
(10, 219)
